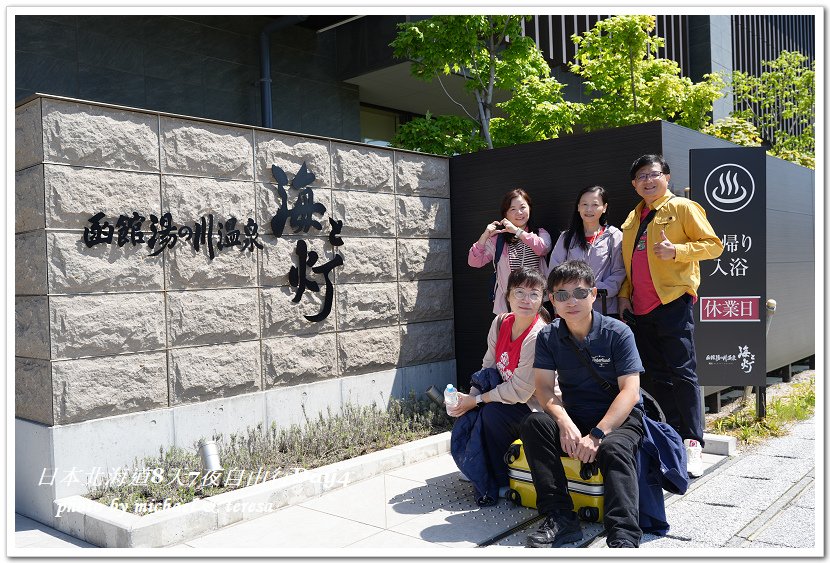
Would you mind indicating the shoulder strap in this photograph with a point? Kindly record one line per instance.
(643, 224)
(607, 387)
(499, 247)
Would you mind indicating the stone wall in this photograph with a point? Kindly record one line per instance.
(108, 329)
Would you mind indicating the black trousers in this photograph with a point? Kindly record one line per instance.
(501, 424)
(665, 339)
(617, 459)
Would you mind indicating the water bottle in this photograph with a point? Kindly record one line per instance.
(450, 397)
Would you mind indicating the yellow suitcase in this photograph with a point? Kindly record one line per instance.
(584, 483)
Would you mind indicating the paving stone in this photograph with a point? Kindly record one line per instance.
(392, 541)
(422, 175)
(650, 541)
(30, 263)
(105, 386)
(86, 135)
(29, 199)
(292, 526)
(209, 372)
(75, 268)
(421, 259)
(804, 430)
(367, 305)
(789, 447)
(739, 491)
(364, 214)
(212, 316)
(367, 260)
(28, 135)
(707, 524)
(189, 199)
(106, 324)
(464, 524)
(368, 350)
(74, 195)
(807, 499)
(770, 468)
(205, 149)
(795, 526)
(426, 300)
(362, 168)
(289, 153)
(423, 217)
(292, 360)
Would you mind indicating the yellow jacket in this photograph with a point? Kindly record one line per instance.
(694, 239)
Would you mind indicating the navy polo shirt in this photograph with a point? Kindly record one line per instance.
(610, 345)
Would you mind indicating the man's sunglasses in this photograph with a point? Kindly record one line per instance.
(563, 295)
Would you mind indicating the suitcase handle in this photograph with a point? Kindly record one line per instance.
(512, 453)
(588, 470)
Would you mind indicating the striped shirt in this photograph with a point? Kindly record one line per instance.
(520, 255)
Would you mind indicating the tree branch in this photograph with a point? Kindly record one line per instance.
(453, 100)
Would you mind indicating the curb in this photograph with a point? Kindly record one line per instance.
(106, 526)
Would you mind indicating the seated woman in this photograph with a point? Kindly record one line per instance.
(511, 346)
(592, 239)
(523, 246)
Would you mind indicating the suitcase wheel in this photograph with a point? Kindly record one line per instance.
(514, 497)
(588, 513)
(512, 453)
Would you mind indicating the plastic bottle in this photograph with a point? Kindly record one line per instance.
(450, 397)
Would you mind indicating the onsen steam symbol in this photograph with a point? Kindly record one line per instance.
(729, 188)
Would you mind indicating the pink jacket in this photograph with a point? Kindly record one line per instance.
(481, 255)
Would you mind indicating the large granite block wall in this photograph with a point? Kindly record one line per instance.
(108, 329)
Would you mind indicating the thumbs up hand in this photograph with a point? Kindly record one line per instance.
(664, 249)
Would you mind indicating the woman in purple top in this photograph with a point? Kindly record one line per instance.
(524, 246)
(592, 239)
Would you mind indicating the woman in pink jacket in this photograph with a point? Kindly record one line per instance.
(523, 245)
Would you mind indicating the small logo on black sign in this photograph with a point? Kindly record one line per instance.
(729, 188)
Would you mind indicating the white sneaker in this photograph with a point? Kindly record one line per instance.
(694, 458)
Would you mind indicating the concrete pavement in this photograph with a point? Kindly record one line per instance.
(762, 498)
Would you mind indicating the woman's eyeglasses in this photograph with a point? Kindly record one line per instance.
(522, 294)
(563, 295)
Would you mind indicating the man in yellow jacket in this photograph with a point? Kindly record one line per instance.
(664, 238)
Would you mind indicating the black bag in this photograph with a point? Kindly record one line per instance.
(499, 248)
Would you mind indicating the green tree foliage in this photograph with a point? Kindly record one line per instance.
(734, 129)
(778, 103)
(442, 134)
(535, 112)
(618, 61)
(490, 53)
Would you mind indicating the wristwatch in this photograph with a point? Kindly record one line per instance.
(479, 399)
(597, 433)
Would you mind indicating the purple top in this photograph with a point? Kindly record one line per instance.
(605, 258)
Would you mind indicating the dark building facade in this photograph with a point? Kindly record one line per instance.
(329, 75)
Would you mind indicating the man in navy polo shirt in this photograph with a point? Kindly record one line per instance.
(589, 422)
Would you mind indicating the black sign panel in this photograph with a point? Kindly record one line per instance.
(730, 315)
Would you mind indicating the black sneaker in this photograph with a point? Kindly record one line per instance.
(621, 543)
(556, 530)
